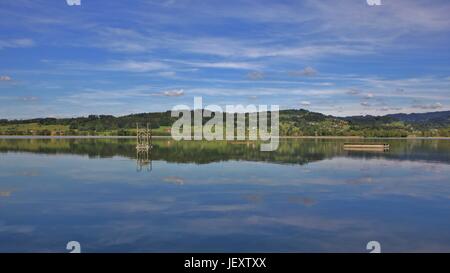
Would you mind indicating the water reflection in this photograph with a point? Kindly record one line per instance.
(310, 195)
(144, 159)
(174, 179)
(5, 193)
(300, 151)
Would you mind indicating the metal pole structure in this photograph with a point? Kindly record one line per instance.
(144, 146)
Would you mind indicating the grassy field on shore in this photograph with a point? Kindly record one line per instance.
(36, 129)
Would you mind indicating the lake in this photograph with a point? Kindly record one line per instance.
(310, 195)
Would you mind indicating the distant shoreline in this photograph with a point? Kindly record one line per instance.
(168, 137)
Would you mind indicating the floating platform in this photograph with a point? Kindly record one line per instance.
(366, 146)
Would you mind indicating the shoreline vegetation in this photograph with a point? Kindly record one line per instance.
(169, 137)
(293, 124)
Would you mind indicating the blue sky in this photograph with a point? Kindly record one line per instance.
(121, 57)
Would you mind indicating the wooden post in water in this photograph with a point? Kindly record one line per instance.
(143, 146)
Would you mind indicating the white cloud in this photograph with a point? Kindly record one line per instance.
(368, 96)
(305, 103)
(174, 93)
(167, 73)
(73, 2)
(353, 91)
(28, 98)
(307, 71)
(433, 106)
(399, 16)
(125, 40)
(256, 49)
(225, 65)
(16, 43)
(386, 108)
(255, 75)
(5, 78)
(113, 65)
(136, 66)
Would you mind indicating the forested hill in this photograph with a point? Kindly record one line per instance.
(292, 123)
(442, 117)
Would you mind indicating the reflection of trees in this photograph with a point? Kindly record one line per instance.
(297, 151)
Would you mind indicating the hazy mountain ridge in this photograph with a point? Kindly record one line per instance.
(441, 116)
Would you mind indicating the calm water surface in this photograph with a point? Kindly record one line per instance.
(308, 196)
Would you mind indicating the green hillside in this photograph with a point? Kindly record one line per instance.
(292, 123)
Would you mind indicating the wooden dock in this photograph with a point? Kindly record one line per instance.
(366, 146)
